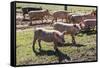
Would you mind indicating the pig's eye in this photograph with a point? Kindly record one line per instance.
(77, 27)
(62, 38)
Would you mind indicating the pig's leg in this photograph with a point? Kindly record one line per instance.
(56, 19)
(34, 41)
(55, 46)
(62, 19)
(67, 19)
(30, 21)
(24, 15)
(73, 40)
(39, 42)
(42, 20)
(46, 18)
(52, 21)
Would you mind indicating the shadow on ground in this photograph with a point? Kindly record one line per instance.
(61, 56)
(70, 44)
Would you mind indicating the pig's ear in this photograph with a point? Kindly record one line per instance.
(80, 23)
(55, 35)
(74, 25)
(65, 32)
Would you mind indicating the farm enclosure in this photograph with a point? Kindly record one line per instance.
(85, 50)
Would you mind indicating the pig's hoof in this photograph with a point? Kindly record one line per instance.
(73, 44)
(40, 49)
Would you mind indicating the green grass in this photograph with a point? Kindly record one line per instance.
(85, 51)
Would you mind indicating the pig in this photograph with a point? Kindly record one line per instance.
(27, 9)
(91, 15)
(76, 18)
(42, 34)
(88, 24)
(71, 29)
(60, 15)
(39, 15)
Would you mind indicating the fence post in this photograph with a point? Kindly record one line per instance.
(65, 7)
